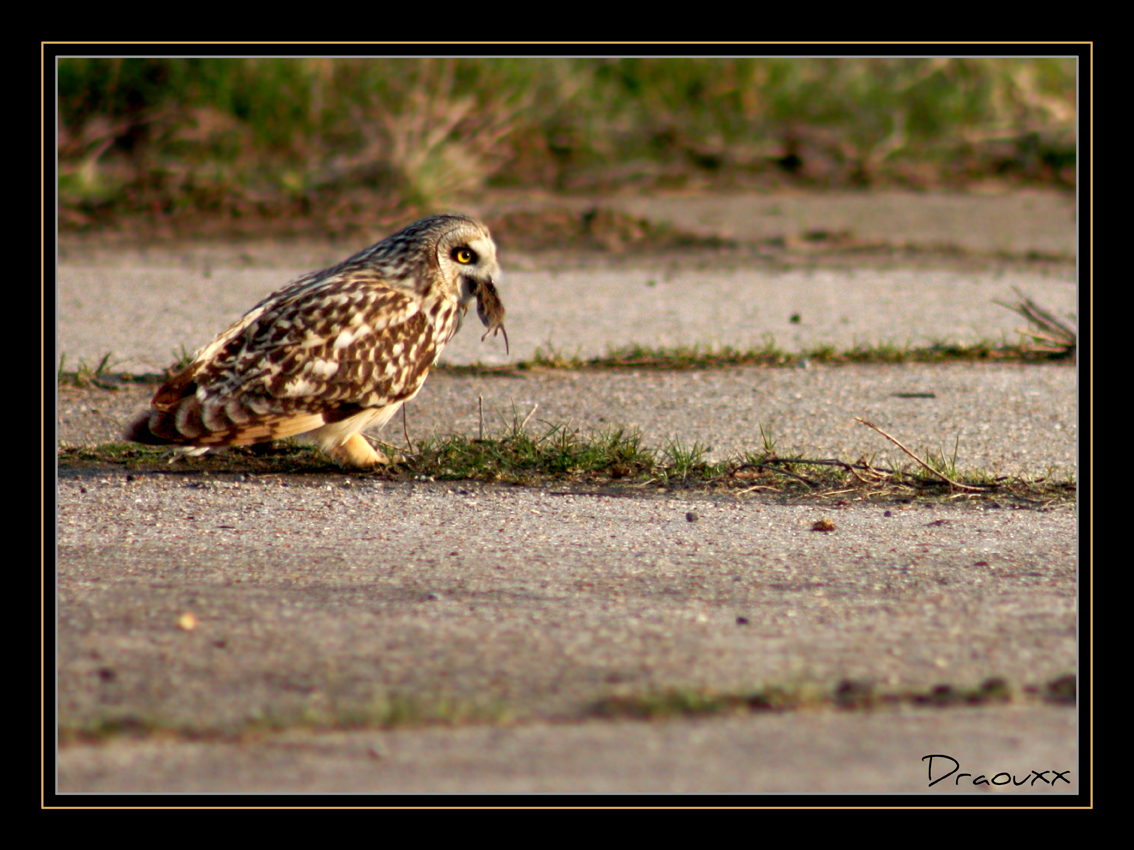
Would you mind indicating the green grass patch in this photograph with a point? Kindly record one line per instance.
(563, 456)
(848, 694)
(520, 457)
(394, 712)
(278, 458)
(768, 355)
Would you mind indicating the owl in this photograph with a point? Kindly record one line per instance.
(334, 351)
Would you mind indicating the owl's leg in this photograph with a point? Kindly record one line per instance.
(356, 451)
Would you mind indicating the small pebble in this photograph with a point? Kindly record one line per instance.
(187, 621)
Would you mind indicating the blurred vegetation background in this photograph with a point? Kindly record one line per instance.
(261, 142)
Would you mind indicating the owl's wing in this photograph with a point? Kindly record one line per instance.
(298, 360)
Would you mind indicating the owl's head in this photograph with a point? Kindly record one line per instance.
(466, 254)
(450, 255)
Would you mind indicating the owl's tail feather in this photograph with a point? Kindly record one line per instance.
(174, 415)
(181, 424)
(140, 432)
(233, 423)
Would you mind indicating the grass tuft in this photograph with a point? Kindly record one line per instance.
(85, 375)
(518, 457)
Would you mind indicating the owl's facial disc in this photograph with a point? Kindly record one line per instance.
(476, 263)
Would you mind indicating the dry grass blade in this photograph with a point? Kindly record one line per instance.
(776, 465)
(919, 461)
(1054, 336)
(405, 430)
(529, 416)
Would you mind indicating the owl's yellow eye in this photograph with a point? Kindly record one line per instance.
(464, 255)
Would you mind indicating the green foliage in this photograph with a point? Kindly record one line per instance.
(428, 130)
(518, 456)
(875, 106)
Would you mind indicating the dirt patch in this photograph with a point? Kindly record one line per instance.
(894, 228)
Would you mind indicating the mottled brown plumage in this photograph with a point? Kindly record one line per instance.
(334, 351)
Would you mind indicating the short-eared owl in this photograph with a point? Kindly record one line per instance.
(334, 351)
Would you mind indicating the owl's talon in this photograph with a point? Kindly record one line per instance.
(357, 451)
